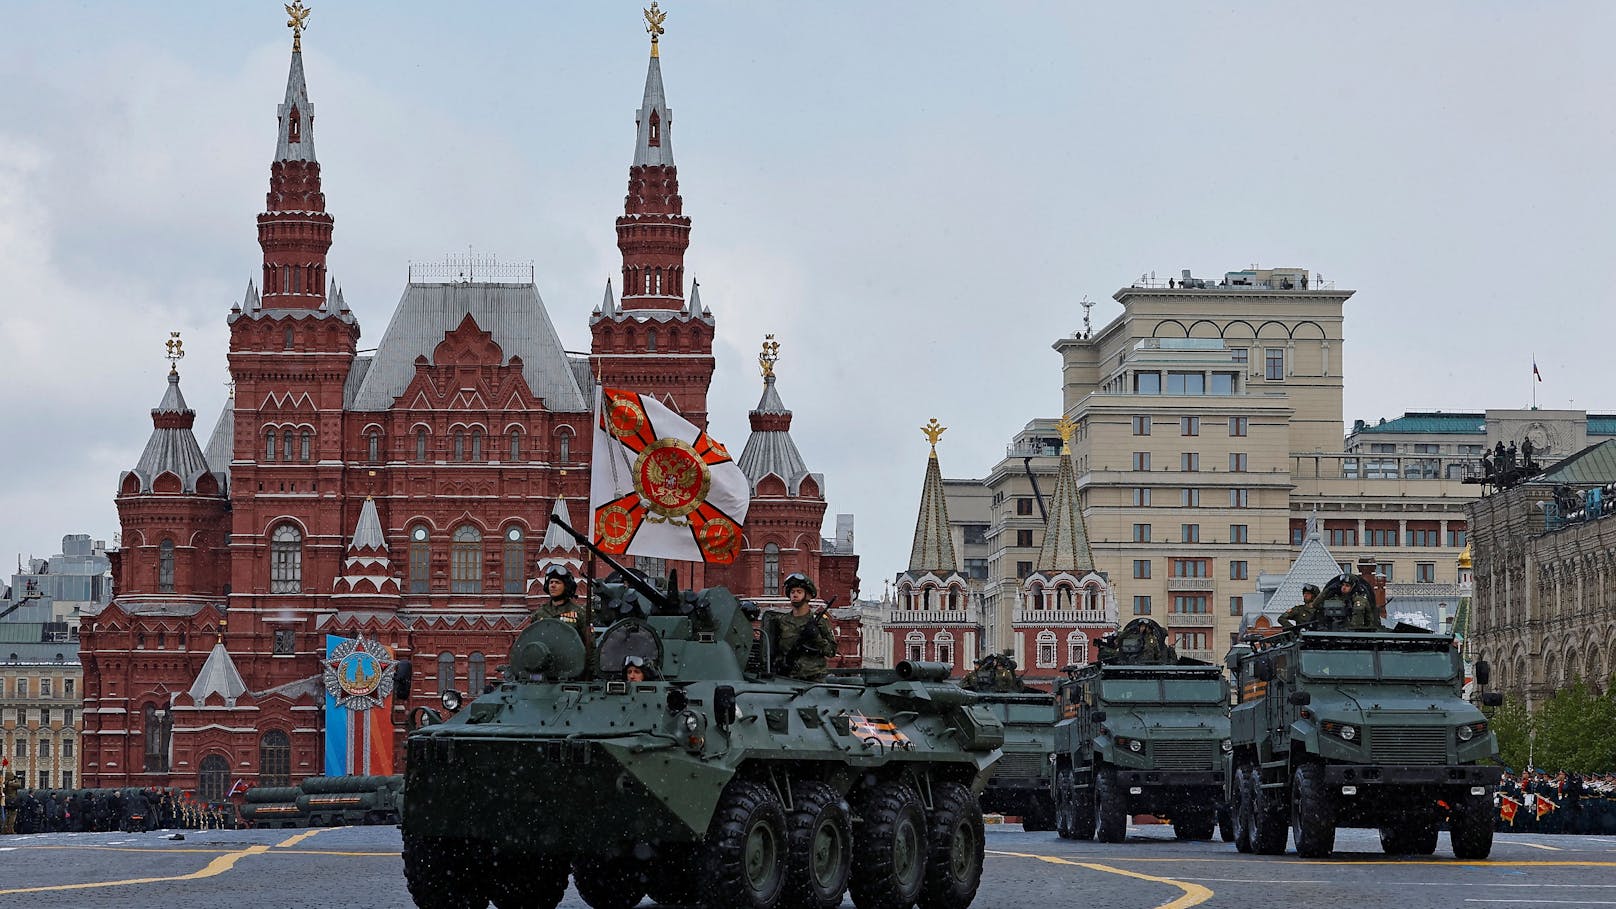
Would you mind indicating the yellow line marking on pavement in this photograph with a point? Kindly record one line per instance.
(1194, 894)
(394, 854)
(218, 866)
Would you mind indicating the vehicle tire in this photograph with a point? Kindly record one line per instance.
(1196, 825)
(671, 878)
(1270, 821)
(1040, 815)
(1470, 826)
(438, 873)
(744, 865)
(889, 848)
(1083, 813)
(1395, 841)
(1243, 818)
(1312, 813)
(1063, 815)
(1225, 818)
(954, 857)
(1111, 807)
(819, 847)
(1422, 839)
(614, 883)
(523, 880)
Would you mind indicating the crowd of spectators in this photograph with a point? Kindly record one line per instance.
(1538, 801)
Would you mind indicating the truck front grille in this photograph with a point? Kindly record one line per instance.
(1408, 744)
(1182, 755)
(1020, 765)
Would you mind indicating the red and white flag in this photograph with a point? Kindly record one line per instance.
(1535, 374)
(660, 487)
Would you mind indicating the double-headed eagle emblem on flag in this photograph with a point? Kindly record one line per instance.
(661, 487)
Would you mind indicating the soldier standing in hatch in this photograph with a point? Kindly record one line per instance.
(560, 588)
(1303, 614)
(801, 638)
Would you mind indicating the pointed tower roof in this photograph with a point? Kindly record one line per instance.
(366, 570)
(1314, 565)
(296, 113)
(368, 534)
(171, 448)
(653, 139)
(608, 306)
(1066, 538)
(696, 309)
(933, 547)
(770, 448)
(221, 448)
(556, 539)
(218, 676)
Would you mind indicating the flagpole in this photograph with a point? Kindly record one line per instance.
(1537, 377)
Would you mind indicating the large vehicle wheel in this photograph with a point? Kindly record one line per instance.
(954, 859)
(614, 883)
(1269, 818)
(1063, 815)
(1225, 817)
(819, 847)
(523, 880)
(671, 879)
(1083, 813)
(439, 875)
(1040, 814)
(1422, 839)
(1470, 826)
(1243, 818)
(744, 866)
(1312, 813)
(1111, 807)
(889, 848)
(1196, 825)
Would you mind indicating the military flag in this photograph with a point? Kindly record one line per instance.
(1507, 808)
(659, 487)
(358, 676)
(1544, 806)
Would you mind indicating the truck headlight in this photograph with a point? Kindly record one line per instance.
(1470, 730)
(1343, 731)
(1227, 746)
(1136, 746)
(451, 700)
(1349, 733)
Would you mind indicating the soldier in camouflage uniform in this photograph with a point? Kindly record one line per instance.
(1304, 614)
(801, 640)
(560, 588)
(10, 803)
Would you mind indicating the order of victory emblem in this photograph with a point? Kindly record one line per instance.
(359, 674)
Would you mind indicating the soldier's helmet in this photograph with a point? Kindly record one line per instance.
(1311, 588)
(798, 579)
(555, 571)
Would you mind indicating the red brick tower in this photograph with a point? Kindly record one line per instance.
(655, 341)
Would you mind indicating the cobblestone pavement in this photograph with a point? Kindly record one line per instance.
(346, 866)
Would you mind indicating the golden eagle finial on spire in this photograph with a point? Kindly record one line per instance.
(933, 431)
(1067, 427)
(769, 355)
(297, 23)
(653, 24)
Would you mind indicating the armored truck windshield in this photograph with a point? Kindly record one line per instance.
(1205, 690)
(1402, 659)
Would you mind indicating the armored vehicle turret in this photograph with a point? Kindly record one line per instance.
(1142, 731)
(1021, 781)
(1368, 728)
(706, 783)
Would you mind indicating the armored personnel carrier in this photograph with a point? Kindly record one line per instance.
(707, 783)
(1021, 781)
(1338, 728)
(1142, 731)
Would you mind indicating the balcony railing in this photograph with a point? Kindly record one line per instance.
(968, 616)
(1061, 617)
(1189, 619)
(1191, 585)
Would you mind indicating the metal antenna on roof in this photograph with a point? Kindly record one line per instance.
(1088, 306)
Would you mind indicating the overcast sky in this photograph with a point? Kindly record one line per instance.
(913, 197)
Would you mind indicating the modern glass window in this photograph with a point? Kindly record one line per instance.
(1141, 460)
(1186, 383)
(1237, 605)
(1141, 568)
(1238, 533)
(1191, 568)
(1141, 496)
(1239, 354)
(1190, 603)
(1380, 536)
(1298, 535)
(1141, 426)
(1239, 426)
(1237, 462)
(213, 778)
(165, 566)
(1141, 605)
(1223, 383)
(286, 559)
(771, 569)
(1189, 426)
(1238, 569)
(1189, 461)
(1141, 533)
(1274, 363)
(1424, 538)
(1425, 572)
(1384, 569)
(1189, 497)
(1343, 536)
(1147, 383)
(1239, 498)
(275, 759)
(1456, 537)
(446, 670)
(1190, 533)
(466, 560)
(420, 560)
(515, 561)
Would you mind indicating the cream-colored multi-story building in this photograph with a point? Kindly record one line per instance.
(41, 696)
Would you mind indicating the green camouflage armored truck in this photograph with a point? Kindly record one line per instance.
(708, 783)
(1338, 728)
(1142, 731)
(1021, 784)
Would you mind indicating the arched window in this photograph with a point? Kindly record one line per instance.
(914, 646)
(286, 559)
(466, 560)
(515, 561)
(516, 445)
(653, 138)
(305, 444)
(1035, 596)
(945, 647)
(460, 445)
(275, 759)
(1077, 648)
(771, 570)
(1046, 649)
(165, 566)
(564, 448)
(286, 339)
(420, 560)
(213, 778)
(953, 597)
(475, 673)
(420, 444)
(650, 340)
(373, 446)
(157, 726)
(476, 444)
(445, 672)
(269, 445)
(288, 445)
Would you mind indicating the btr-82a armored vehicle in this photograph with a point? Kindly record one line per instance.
(1020, 784)
(1141, 731)
(1338, 728)
(707, 783)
